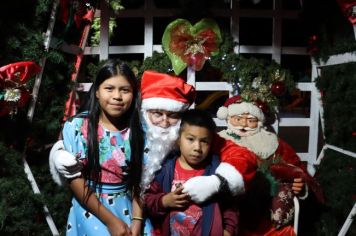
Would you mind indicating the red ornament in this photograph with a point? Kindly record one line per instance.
(4, 110)
(25, 96)
(263, 106)
(278, 88)
(313, 45)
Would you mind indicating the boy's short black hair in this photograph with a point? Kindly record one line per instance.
(199, 118)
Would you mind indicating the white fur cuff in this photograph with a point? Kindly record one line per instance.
(233, 177)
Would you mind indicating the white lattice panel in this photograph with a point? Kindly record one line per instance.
(276, 50)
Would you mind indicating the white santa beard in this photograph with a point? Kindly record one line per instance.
(160, 141)
(263, 143)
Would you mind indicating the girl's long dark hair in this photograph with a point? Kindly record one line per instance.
(131, 119)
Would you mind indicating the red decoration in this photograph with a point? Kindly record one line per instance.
(25, 96)
(347, 9)
(188, 45)
(278, 88)
(13, 93)
(312, 45)
(263, 106)
(183, 43)
(19, 72)
(74, 10)
(4, 110)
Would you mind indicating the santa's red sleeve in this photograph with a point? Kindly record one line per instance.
(289, 155)
(238, 165)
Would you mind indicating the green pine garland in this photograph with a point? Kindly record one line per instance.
(338, 86)
(337, 176)
(239, 71)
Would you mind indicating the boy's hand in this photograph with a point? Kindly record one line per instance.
(297, 185)
(176, 199)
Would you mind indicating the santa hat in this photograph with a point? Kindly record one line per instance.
(165, 92)
(236, 106)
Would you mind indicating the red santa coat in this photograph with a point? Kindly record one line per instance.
(289, 167)
(243, 160)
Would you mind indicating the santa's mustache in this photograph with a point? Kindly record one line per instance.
(241, 128)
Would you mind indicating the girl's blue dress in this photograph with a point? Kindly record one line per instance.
(114, 155)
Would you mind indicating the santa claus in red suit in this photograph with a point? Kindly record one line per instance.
(281, 172)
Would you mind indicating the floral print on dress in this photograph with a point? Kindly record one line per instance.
(114, 148)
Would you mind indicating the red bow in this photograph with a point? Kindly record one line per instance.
(13, 93)
(18, 73)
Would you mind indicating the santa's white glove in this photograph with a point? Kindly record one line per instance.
(233, 177)
(63, 165)
(200, 188)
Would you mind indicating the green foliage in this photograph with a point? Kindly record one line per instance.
(243, 73)
(337, 83)
(337, 176)
(338, 86)
(158, 62)
(334, 33)
(251, 77)
(21, 211)
(95, 29)
(20, 208)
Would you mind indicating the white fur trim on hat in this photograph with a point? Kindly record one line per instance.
(163, 104)
(222, 113)
(245, 107)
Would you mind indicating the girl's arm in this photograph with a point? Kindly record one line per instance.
(94, 206)
(137, 217)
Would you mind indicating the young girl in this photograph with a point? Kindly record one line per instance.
(169, 208)
(108, 141)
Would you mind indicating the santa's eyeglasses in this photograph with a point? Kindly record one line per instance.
(163, 118)
(239, 120)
